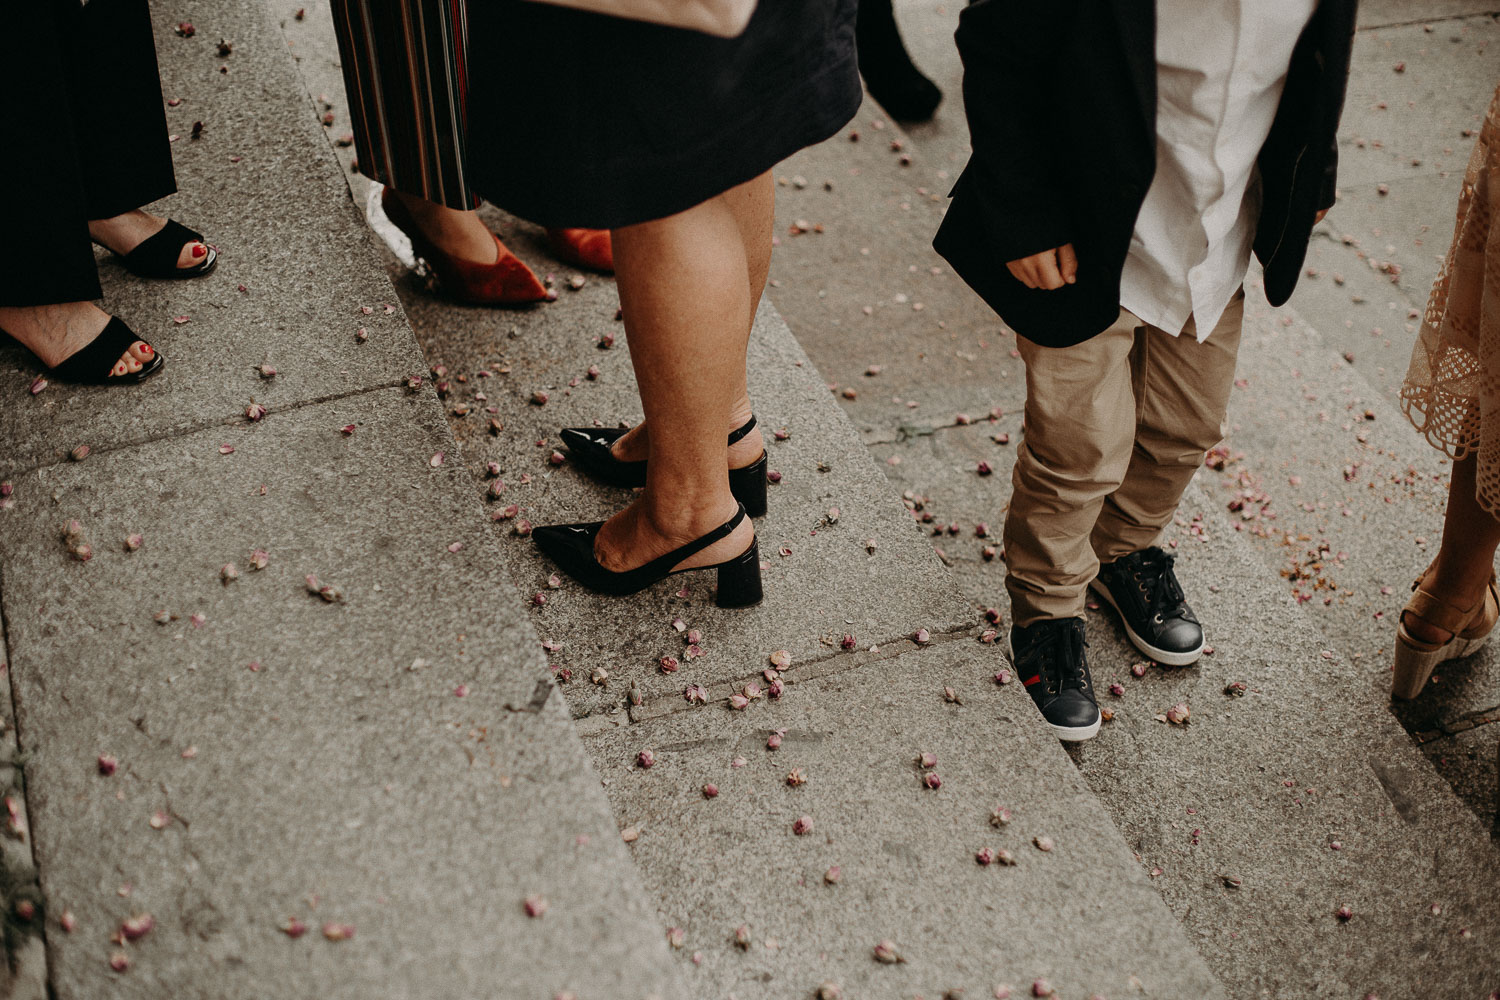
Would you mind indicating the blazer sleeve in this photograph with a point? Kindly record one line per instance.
(1328, 193)
(1009, 50)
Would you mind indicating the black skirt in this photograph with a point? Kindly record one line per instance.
(577, 119)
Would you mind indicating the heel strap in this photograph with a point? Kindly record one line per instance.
(738, 434)
(1441, 614)
(664, 564)
(158, 254)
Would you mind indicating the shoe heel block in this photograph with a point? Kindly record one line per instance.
(750, 487)
(739, 580)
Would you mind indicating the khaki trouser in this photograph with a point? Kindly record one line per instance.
(1114, 429)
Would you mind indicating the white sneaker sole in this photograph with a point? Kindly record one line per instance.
(1165, 657)
(1076, 734)
(1068, 734)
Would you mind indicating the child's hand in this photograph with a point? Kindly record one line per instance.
(1048, 269)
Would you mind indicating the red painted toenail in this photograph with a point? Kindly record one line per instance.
(199, 250)
(146, 350)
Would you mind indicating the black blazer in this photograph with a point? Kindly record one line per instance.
(1061, 100)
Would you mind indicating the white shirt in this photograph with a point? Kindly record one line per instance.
(1220, 69)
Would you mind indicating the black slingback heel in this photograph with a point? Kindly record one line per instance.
(592, 450)
(156, 256)
(571, 546)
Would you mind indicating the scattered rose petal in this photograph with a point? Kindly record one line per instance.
(833, 875)
(796, 777)
(886, 954)
(535, 906)
(119, 961)
(1000, 816)
(160, 820)
(645, 759)
(710, 790)
(107, 764)
(1044, 843)
(932, 781)
(138, 926)
(338, 932)
(676, 936)
(293, 928)
(802, 825)
(985, 856)
(134, 541)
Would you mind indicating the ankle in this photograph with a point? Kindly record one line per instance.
(682, 522)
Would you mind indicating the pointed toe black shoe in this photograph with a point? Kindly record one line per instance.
(592, 449)
(571, 546)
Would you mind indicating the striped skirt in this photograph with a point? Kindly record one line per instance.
(405, 71)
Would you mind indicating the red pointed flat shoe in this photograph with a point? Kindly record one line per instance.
(590, 248)
(506, 282)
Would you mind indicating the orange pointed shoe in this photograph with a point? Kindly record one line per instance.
(590, 248)
(505, 282)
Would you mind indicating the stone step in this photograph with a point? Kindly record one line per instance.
(905, 855)
(1348, 511)
(862, 573)
(1227, 795)
(395, 759)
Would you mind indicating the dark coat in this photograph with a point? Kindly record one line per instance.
(1061, 100)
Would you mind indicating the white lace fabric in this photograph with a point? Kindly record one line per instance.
(1451, 392)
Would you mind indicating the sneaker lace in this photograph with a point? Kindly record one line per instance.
(1159, 584)
(1061, 652)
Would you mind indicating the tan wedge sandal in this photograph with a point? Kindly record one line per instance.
(1469, 629)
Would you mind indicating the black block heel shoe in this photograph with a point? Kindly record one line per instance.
(592, 452)
(571, 546)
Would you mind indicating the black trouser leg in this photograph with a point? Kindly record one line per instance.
(85, 135)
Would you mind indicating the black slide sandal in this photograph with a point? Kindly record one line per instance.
(156, 256)
(92, 363)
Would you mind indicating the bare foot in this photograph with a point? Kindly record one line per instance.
(457, 233)
(638, 534)
(635, 444)
(123, 233)
(55, 333)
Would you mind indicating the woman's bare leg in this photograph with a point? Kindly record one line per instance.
(753, 206)
(1466, 558)
(685, 287)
